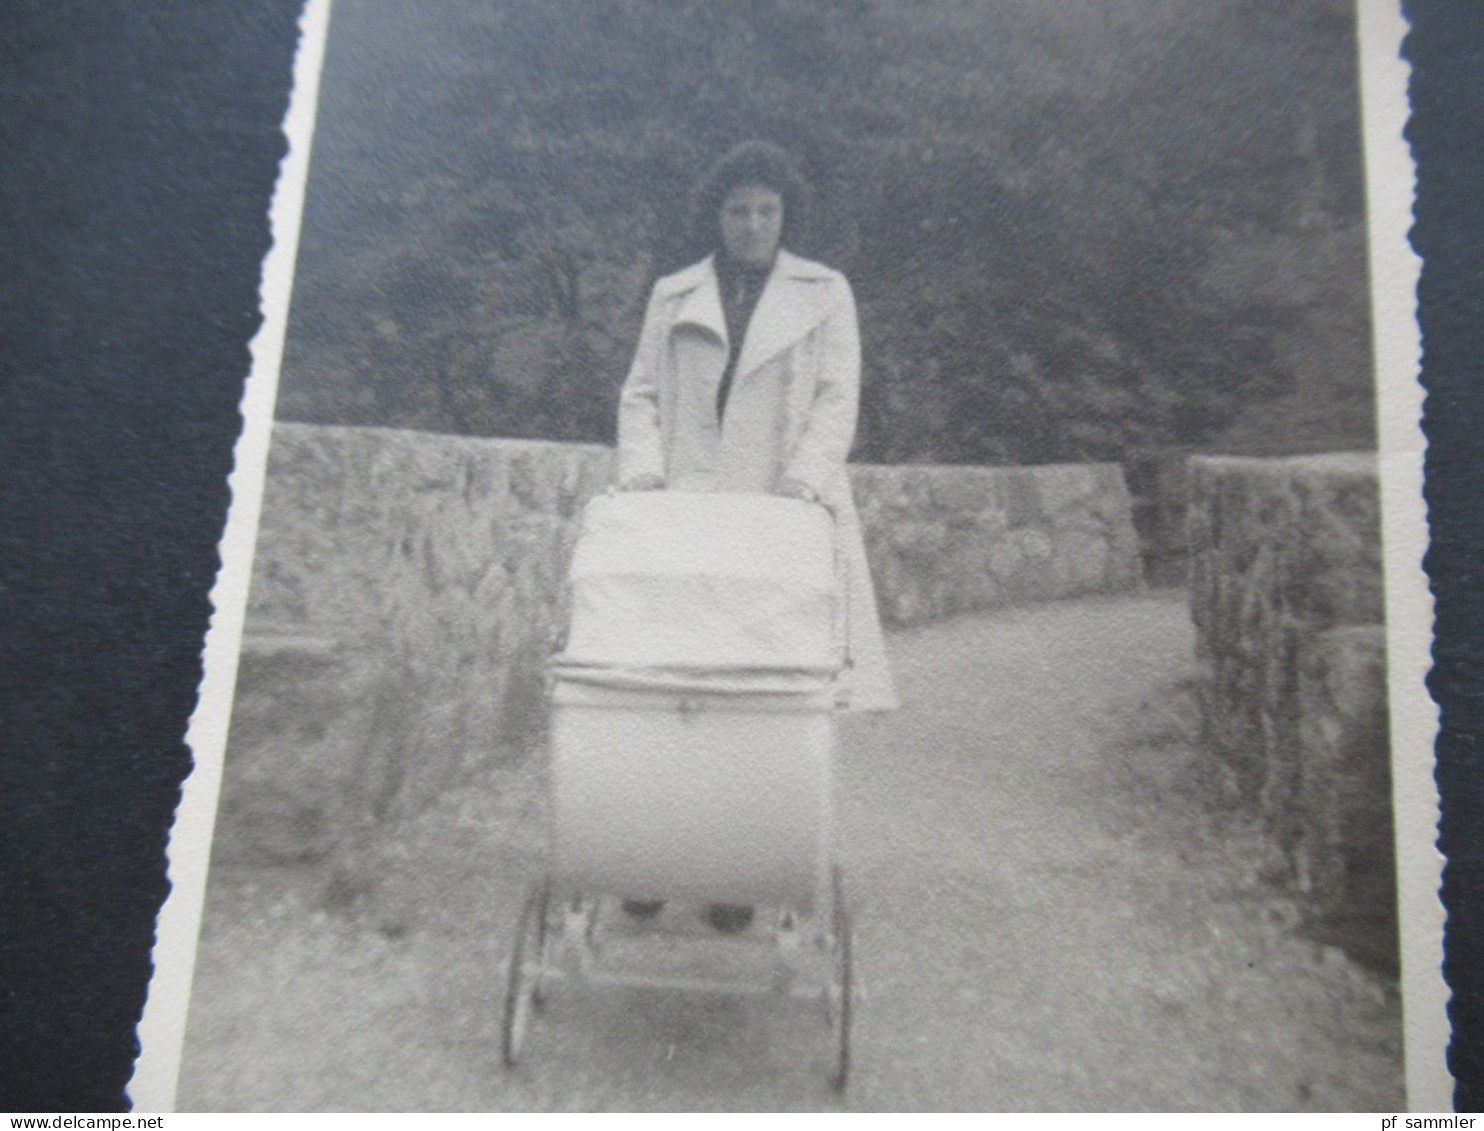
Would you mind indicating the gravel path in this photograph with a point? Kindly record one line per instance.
(1049, 916)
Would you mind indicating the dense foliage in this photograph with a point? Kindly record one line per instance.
(1075, 229)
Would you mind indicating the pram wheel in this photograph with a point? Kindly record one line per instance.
(699, 686)
(841, 991)
(523, 983)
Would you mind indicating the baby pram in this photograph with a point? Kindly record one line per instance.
(692, 740)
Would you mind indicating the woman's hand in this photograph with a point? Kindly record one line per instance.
(648, 482)
(797, 489)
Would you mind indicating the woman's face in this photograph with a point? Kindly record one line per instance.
(751, 224)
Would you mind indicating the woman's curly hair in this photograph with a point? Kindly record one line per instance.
(751, 163)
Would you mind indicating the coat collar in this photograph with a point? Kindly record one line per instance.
(793, 302)
(700, 299)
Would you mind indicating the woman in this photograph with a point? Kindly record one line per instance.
(747, 378)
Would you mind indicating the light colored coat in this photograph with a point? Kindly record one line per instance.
(791, 414)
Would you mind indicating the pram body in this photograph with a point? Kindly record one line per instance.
(692, 743)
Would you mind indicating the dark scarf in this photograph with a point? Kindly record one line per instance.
(741, 285)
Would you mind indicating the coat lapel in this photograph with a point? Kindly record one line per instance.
(792, 304)
(700, 303)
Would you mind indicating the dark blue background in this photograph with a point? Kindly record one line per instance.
(139, 144)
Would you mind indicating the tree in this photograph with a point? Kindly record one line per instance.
(1073, 229)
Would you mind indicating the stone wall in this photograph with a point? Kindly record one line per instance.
(1158, 480)
(1286, 595)
(949, 540)
(417, 578)
(407, 591)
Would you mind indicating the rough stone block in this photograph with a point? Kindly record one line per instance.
(947, 540)
(1345, 852)
(298, 746)
(1286, 598)
(1341, 560)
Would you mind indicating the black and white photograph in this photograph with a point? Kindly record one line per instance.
(821, 555)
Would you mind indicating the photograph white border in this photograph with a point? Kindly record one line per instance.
(162, 1028)
(1395, 270)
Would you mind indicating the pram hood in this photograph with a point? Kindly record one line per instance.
(726, 585)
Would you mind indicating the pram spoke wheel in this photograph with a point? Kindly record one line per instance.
(523, 983)
(841, 992)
